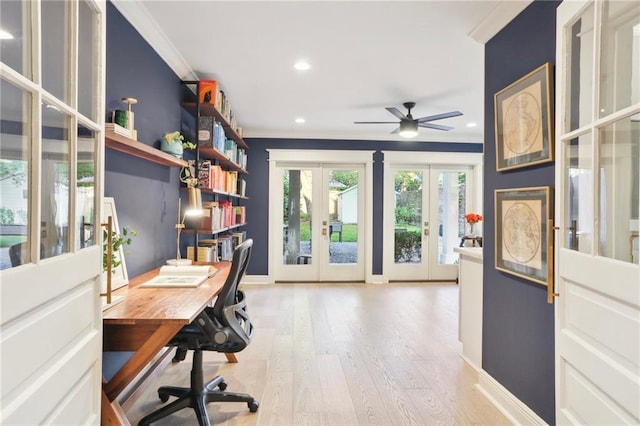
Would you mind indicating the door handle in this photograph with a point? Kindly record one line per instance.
(324, 231)
(426, 232)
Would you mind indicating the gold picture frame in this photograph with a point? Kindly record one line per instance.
(524, 121)
(523, 234)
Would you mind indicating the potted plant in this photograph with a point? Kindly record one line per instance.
(173, 143)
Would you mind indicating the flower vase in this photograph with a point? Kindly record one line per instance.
(472, 229)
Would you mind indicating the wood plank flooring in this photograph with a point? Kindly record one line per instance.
(343, 354)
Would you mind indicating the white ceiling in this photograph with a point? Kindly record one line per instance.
(364, 56)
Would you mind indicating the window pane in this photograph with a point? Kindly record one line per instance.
(452, 206)
(55, 214)
(15, 37)
(85, 188)
(580, 75)
(55, 51)
(15, 138)
(579, 200)
(620, 57)
(407, 245)
(297, 187)
(343, 216)
(87, 60)
(619, 192)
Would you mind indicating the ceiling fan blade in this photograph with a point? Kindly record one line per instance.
(439, 116)
(396, 131)
(375, 122)
(396, 112)
(435, 126)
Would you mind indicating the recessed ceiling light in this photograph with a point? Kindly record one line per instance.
(302, 65)
(472, 124)
(300, 120)
(4, 35)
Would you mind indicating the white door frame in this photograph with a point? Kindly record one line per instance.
(423, 159)
(301, 156)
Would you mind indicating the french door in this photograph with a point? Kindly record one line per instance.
(319, 227)
(597, 326)
(52, 108)
(424, 213)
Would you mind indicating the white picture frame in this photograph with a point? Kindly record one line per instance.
(119, 277)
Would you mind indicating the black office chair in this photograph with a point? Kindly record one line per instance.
(224, 328)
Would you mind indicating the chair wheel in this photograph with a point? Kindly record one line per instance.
(253, 406)
(222, 386)
(163, 397)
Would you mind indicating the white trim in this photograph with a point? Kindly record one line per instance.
(377, 279)
(367, 136)
(257, 279)
(432, 158)
(497, 19)
(139, 17)
(321, 156)
(516, 411)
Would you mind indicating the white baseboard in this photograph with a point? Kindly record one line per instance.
(516, 411)
(256, 279)
(377, 279)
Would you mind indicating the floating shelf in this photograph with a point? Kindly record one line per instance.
(138, 149)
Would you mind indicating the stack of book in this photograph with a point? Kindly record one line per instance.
(118, 129)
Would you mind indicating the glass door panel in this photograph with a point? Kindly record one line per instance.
(452, 201)
(407, 231)
(343, 212)
(579, 191)
(297, 216)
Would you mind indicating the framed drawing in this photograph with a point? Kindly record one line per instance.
(524, 121)
(522, 245)
(119, 275)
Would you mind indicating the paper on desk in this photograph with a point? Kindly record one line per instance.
(181, 276)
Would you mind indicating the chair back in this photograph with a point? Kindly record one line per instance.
(226, 325)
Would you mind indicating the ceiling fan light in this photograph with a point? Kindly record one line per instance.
(408, 129)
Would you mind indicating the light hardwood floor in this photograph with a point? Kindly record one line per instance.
(343, 354)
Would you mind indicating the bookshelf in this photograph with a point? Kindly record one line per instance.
(138, 149)
(220, 164)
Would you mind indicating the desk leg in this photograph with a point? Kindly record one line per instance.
(111, 413)
(231, 357)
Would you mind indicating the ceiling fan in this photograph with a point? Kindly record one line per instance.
(409, 125)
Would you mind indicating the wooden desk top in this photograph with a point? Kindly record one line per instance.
(155, 305)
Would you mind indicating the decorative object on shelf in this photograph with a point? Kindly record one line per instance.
(130, 118)
(523, 234)
(193, 208)
(472, 219)
(524, 121)
(173, 143)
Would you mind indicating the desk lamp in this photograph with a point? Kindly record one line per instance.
(193, 208)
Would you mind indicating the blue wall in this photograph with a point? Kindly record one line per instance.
(145, 193)
(518, 334)
(258, 186)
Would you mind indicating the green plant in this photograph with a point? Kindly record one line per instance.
(172, 137)
(117, 241)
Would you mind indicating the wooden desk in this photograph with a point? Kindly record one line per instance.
(144, 322)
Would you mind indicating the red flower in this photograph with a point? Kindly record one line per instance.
(473, 217)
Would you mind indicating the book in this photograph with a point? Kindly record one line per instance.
(208, 92)
(181, 276)
(116, 128)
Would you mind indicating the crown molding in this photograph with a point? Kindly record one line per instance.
(138, 16)
(497, 19)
